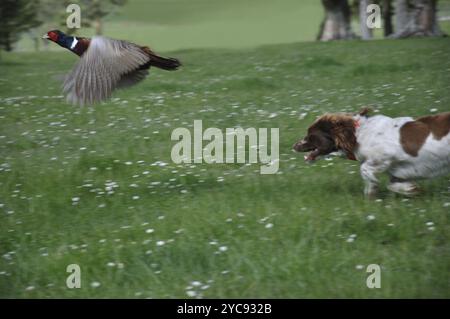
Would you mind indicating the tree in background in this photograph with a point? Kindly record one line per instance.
(16, 16)
(35, 17)
(416, 18)
(94, 11)
(366, 32)
(386, 16)
(336, 23)
(386, 12)
(46, 13)
(412, 18)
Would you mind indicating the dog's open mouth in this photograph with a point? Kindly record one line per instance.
(311, 156)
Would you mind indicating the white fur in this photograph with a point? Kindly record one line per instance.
(380, 151)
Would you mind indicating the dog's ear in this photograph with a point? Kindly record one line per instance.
(364, 111)
(344, 134)
(341, 127)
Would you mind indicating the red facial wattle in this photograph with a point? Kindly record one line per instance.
(53, 36)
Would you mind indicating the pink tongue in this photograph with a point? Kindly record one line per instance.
(309, 157)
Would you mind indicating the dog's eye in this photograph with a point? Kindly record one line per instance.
(311, 138)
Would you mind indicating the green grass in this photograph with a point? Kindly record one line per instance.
(52, 152)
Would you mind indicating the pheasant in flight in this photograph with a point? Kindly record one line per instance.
(105, 65)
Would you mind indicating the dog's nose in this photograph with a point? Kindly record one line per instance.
(298, 144)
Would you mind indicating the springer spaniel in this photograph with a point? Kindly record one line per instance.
(405, 148)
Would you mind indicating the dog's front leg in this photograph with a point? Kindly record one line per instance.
(404, 187)
(369, 169)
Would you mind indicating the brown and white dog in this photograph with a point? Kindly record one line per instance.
(405, 148)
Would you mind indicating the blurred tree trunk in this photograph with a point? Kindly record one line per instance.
(436, 29)
(416, 18)
(401, 15)
(98, 26)
(366, 32)
(36, 38)
(36, 42)
(7, 42)
(336, 24)
(386, 11)
(94, 11)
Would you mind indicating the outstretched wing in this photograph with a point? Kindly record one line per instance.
(132, 78)
(101, 68)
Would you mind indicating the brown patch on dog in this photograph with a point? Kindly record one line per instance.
(439, 124)
(414, 134)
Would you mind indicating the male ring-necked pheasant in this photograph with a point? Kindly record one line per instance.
(105, 65)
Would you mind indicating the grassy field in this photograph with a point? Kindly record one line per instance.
(96, 186)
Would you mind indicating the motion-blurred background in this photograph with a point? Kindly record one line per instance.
(180, 24)
(97, 187)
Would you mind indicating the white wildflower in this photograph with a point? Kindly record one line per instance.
(95, 284)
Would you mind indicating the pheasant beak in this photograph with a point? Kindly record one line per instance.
(45, 36)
